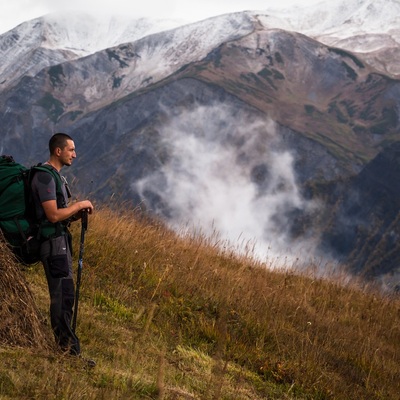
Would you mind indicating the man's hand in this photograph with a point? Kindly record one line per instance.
(54, 214)
(87, 206)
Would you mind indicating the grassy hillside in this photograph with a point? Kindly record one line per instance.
(170, 317)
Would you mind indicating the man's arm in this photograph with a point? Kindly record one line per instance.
(54, 214)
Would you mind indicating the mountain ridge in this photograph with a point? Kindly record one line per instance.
(64, 34)
(280, 113)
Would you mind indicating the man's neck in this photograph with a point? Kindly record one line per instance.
(54, 163)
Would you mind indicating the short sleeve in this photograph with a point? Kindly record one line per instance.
(45, 186)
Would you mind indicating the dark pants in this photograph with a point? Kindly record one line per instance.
(56, 257)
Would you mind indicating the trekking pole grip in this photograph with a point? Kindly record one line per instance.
(85, 219)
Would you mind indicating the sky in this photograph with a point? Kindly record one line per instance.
(14, 12)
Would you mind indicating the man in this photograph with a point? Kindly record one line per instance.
(55, 215)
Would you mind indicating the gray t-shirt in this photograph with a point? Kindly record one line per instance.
(44, 189)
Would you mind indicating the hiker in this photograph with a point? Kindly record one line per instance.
(53, 210)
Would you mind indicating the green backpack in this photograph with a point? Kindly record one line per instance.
(18, 223)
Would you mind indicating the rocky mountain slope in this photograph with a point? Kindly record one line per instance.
(231, 124)
(364, 229)
(369, 28)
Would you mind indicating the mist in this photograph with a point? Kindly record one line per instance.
(228, 175)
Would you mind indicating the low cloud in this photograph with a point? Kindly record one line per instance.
(229, 174)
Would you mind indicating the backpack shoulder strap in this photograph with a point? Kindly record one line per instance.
(61, 200)
(50, 170)
(48, 229)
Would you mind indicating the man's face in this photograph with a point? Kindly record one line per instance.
(67, 154)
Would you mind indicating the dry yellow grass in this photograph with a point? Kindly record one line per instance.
(20, 323)
(172, 317)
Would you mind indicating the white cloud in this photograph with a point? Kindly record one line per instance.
(12, 13)
(229, 175)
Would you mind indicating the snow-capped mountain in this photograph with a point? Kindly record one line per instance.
(54, 39)
(343, 18)
(365, 26)
(251, 119)
(370, 28)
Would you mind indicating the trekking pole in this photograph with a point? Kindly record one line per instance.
(84, 221)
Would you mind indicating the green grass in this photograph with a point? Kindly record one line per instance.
(170, 317)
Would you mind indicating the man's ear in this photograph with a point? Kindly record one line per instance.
(58, 151)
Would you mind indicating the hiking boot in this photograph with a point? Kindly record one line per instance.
(88, 362)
